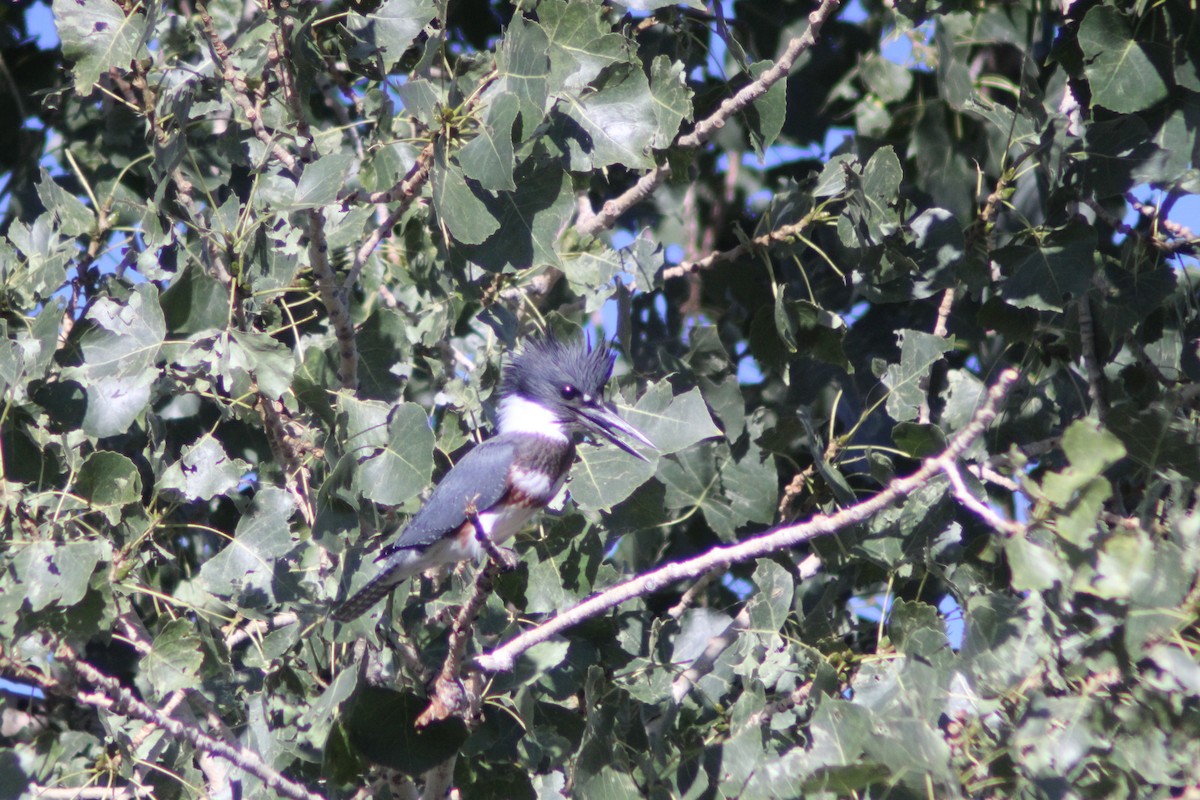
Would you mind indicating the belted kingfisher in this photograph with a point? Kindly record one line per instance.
(550, 393)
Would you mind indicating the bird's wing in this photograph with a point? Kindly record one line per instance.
(477, 482)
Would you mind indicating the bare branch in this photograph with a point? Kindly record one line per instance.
(333, 297)
(114, 697)
(705, 129)
(403, 193)
(964, 496)
(782, 234)
(449, 695)
(704, 663)
(89, 792)
(503, 658)
(240, 89)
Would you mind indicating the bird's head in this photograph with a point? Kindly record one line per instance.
(556, 388)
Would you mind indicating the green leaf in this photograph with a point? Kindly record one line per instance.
(174, 659)
(250, 571)
(918, 441)
(906, 381)
(203, 471)
(382, 726)
(46, 253)
(120, 351)
(581, 43)
(604, 476)
(255, 361)
(771, 604)
(871, 204)
(458, 207)
(194, 302)
(1121, 70)
(423, 100)
(73, 217)
(672, 422)
(730, 493)
(1048, 275)
(319, 717)
(529, 221)
(609, 784)
(619, 120)
(109, 482)
(673, 99)
(390, 449)
(97, 36)
(51, 572)
(488, 158)
(322, 180)
(1156, 438)
(393, 26)
(765, 116)
(523, 68)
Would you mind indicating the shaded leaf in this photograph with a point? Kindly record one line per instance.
(109, 482)
(174, 659)
(1120, 69)
(250, 571)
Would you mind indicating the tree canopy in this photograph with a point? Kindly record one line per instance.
(902, 294)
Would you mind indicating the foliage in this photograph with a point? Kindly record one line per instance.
(259, 269)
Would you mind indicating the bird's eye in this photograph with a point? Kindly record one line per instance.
(569, 392)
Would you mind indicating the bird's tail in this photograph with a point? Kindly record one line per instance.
(362, 600)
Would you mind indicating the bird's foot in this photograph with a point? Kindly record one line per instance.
(504, 558)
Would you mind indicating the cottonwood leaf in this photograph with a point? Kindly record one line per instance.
(97, 36)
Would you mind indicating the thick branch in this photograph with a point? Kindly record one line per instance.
(705, 129)
(450, 697)
(503, 658)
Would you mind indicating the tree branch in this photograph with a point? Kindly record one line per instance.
(403, 193)
(114, 697)
(89, 792)
(449, 695)
(705, 129)
(784, 233)
(503, 658)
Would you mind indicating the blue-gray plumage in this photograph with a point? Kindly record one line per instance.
(551, 393)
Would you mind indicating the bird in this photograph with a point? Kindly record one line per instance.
(551, 393)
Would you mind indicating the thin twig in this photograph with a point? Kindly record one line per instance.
(503, 658)
(689, 597)
(783, 234)
(278, 426)
(256, 628)
(943, 314)
(705, 129)
(112, 696)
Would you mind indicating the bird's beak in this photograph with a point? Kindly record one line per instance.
(603, 419)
